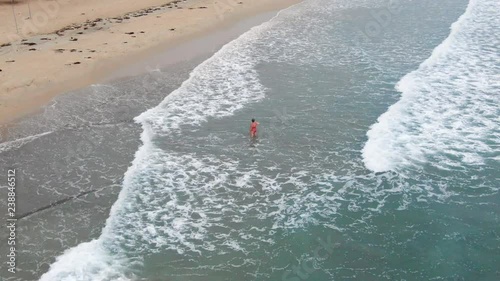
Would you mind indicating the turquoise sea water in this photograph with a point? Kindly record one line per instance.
(377, 156)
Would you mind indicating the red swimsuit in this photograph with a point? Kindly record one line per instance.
(253, 128)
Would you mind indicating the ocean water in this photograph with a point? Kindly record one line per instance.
(377, 156)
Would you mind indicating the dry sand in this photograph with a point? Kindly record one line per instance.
(68, 44)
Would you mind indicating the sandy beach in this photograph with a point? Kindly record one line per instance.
(68, 44)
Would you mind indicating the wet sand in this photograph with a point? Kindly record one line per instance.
(68, 44)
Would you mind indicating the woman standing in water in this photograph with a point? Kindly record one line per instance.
(253, 128)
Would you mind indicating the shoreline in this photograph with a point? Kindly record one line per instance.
(101, 46)
(96, 128)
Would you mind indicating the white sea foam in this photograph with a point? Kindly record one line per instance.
(448, 114)
(88, 261)
(16, 144)
(216, 88)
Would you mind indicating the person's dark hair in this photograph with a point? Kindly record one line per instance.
(253, 120)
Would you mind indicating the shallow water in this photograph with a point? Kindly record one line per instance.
(377, 157)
